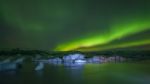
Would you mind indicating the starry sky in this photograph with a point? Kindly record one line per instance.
(64, 25)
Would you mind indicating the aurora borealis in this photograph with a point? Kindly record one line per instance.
(64, 25)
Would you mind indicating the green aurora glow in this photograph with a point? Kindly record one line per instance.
(117, 32)
(64, 25)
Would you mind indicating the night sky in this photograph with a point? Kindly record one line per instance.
(63, 25)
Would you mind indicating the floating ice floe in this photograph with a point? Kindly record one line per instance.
(8, 66)
(115, 59)
(40, 66)
(55, 61)
(101, 59)
(5, 61)
(19, 60)
(95, 59)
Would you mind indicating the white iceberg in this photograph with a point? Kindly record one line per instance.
(73, 57)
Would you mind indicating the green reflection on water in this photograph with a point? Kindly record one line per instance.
(107, 73)
(125, 73)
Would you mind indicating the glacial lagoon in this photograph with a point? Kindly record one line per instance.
(28, 70)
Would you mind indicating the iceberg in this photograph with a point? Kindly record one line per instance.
(55, 61)
(20, 60)
(40, 66)
(5, 61)
(8, 66)
(73, 57)
(95, 59)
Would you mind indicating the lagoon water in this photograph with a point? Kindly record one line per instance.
(107, 73)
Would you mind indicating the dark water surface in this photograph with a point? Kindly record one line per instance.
(109, 73)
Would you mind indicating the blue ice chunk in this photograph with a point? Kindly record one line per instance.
(40, 66)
